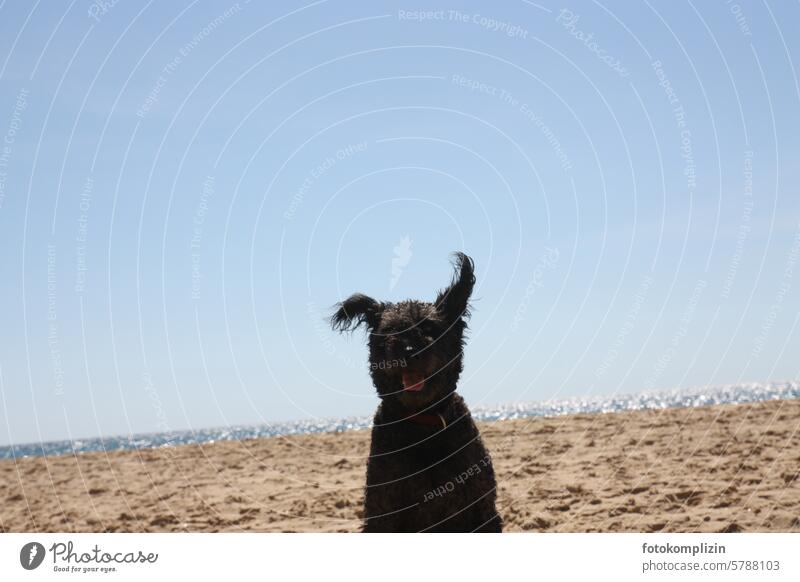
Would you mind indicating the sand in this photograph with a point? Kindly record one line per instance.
(717, 469)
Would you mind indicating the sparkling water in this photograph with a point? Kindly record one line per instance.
(707, 396)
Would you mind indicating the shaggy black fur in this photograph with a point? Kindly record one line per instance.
(421, 476)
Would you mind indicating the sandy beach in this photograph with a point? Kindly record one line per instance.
(717, 469)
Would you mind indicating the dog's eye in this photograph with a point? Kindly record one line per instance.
(428, 330)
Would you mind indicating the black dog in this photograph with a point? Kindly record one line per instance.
(428, 469)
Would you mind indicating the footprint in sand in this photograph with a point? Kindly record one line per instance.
(163, 520)
(690, 498)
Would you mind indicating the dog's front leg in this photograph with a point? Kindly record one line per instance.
(380, 510)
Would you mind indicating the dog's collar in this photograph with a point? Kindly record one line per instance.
(434, 420)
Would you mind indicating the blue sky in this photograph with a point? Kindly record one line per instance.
(186, 188)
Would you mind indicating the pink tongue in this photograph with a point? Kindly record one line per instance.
(413, 381)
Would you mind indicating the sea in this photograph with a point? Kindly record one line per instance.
(655, 400)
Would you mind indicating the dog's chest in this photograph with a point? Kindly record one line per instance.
(429, 457)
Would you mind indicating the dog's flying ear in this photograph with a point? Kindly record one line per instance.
(354, 311)
(453, 302)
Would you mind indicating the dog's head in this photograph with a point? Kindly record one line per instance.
(415, 347)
